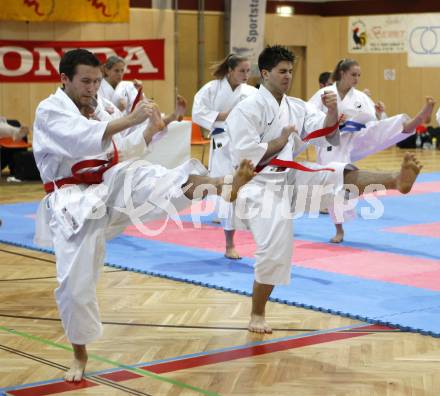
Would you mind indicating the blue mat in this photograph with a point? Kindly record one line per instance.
(405, 307)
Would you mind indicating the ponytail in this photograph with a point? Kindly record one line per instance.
(342, 66)
(220, 70)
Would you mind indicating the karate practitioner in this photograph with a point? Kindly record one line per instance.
(76, 218)
(325, 79)
(121, 93)
(212, 104)
(364, 132)
(270, 125)
(117, 97)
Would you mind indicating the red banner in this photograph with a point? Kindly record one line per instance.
(37, 61)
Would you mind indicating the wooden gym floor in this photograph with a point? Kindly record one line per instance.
(151, 319)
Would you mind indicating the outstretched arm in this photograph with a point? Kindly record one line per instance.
(142, 111)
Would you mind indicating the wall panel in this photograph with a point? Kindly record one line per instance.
(324, 40)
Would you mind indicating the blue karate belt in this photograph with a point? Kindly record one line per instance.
(217, 131)
(351, 126)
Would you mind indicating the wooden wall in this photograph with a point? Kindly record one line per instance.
(187, 52)
(324, 40)
(19, 100)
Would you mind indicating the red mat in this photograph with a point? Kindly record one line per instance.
(388, 267)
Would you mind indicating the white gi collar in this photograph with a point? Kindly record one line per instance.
(270, 99)
(347, 95)
(65, 99)
(225, 84)
(107, 86)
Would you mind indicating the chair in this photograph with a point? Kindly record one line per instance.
(197, 138)
(11, 144)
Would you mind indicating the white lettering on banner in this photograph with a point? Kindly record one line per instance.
(26, 61)
(142, 59)
(51, 56)
(101, 50)
(39, 61)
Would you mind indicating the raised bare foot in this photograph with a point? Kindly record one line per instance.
(180, 107)
(156, 122)
(409, 170)
(257, 324)
(424, 116)
(232, 254)
(243, 174)
(76, 370)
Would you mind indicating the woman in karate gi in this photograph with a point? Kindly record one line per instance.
(117, 97)
(363, 131)
(212, 105)
(121, 93)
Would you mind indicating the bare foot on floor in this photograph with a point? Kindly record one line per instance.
(409, 170)
(232, 254)
(244, 174)
(424, 116)
(258, 324)
(76, 370)
(338, 238)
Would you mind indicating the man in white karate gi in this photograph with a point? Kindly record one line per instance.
(270, 125)
(79, 213)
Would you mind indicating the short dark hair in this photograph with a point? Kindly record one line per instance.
(272, 55)
(324, 77)
(73, 58)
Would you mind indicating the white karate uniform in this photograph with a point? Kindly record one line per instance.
(251, 125)
(368, 135)
(125, 91)
(375, 135)
(76, 220)
(7, 130)
(106, 110)
(214, 97)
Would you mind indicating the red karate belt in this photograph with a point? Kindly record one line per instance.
(137, 99)
(81, 176)
(296, 165)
